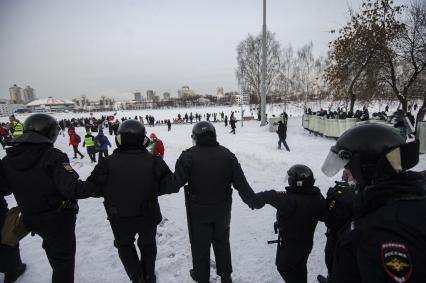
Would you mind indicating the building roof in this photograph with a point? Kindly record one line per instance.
(50, 101)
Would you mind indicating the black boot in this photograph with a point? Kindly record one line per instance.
(11, 277)
(192, 273)
(322, 279)
(226, 278)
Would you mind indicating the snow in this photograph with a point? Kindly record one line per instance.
(253, 260)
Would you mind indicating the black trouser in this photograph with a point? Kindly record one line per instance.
(210, 226)
(292, 260)
(76, 151)
(103, 153)
(281, 140)
(10, 259)
(57, 229)
(232, 130)
(92, 153)
(125, 231)
(330, 246)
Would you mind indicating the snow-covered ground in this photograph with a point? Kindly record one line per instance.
(253, 260)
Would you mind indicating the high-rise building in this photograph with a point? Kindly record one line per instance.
(4, 107)
(166, 96)
(220, 92)
(29, 94)
(16, 95)
(150, 95)
(138, 96)
(185, 91)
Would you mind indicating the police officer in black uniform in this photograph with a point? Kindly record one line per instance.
(210, 171)
(130, 181)
(10, 258)
(386, 240)
(299, 209)
(337, 214)
(45, 187)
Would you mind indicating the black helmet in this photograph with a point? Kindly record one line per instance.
(42, 124)
(372, 153)
(130, 132)
(203, 131)
(300, 176)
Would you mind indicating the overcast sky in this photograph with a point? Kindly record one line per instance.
(66, 48)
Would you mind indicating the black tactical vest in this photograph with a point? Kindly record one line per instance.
(211, 174)
(131, 189)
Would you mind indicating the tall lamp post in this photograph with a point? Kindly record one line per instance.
(263, 84)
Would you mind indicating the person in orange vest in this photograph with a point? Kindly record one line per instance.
(156, 147)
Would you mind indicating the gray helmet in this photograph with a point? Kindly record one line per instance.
(203, 130)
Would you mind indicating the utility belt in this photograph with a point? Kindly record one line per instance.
(196, 199)
(68, 205)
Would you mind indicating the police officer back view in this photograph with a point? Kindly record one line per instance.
(210, 170)
(298, 211)
(386, 241)
(130, 182)
(10, 258)
(45, 187)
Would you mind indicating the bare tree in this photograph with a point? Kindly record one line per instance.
(249, 60)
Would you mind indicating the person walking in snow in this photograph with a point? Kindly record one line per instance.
(89, 143)
(74, 142)
(101, 144)
(282, 135)
(156, 146)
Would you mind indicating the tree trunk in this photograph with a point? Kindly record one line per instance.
(352, 104)
(422, 111)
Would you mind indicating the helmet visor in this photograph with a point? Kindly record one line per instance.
(336, 160)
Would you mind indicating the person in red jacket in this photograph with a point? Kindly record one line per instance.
(74, 141)
(156, 146)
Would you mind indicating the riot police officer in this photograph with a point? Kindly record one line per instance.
(210, 171)
(299, 209)
(386, 240)
(130, 181)
(45, 187)
(10, 258)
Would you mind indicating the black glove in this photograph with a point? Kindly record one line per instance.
(257, 202)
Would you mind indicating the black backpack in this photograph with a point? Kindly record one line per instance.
(78, 138)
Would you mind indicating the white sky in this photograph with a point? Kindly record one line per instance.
(66, 48)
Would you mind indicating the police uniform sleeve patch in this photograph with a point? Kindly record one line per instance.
(397, 262)
(67, 167)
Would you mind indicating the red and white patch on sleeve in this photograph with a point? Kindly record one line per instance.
(397, 262)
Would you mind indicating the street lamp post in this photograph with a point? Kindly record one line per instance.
(263, 84)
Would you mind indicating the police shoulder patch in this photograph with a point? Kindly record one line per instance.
(397, 262)
(67, 167)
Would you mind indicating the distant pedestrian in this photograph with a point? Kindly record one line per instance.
(169, 125)
(156, 146)
(101, 144)
(89, 143)
(75, 140)
(226, 121)
(282, 135)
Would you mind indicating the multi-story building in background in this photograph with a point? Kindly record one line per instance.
(220, 92)
(138, 96)
(16, 95)
(150, 95)
(185, 91)
(29, 94)
(4, 107)
(166, 95)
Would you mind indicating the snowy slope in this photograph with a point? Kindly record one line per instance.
(253, 260)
